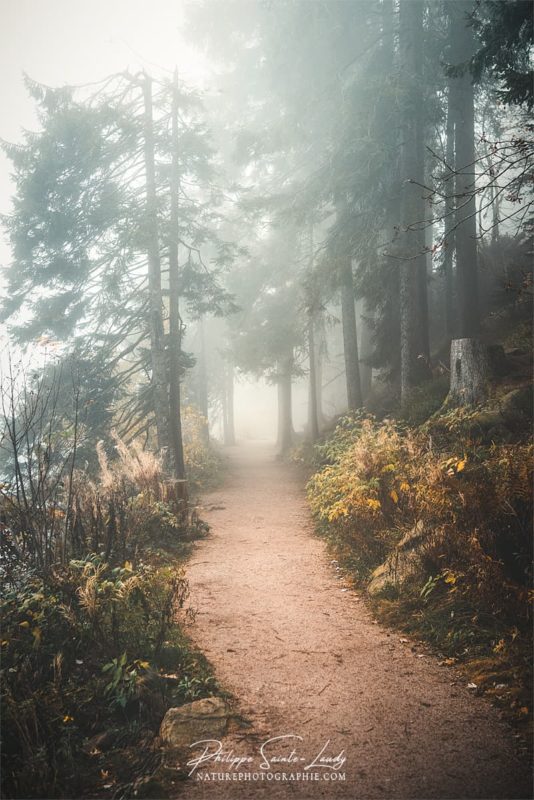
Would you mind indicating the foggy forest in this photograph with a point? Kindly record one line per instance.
(266, 399)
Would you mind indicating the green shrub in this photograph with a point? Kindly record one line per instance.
(424, 400)
(87, 652)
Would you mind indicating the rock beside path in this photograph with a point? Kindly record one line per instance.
(403, 562)
(202, 719)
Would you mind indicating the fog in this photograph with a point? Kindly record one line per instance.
(321, 260)
(74, 43)
(266, 302)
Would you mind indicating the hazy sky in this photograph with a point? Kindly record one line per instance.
(77, 41)
(59, 42)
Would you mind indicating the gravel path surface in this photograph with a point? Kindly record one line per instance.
(303, 658)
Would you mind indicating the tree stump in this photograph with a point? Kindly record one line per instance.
(470, 369)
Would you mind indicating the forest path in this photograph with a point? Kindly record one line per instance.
(303, 657)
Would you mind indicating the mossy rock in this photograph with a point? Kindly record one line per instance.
(202, 719)
(402, 563)
(518, 401)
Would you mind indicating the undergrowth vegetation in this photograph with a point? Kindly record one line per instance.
(457, 504)
(93, 651)
(203, 461)
(92, 658)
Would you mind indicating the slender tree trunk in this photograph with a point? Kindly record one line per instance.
(496, 208)
(202, 375)
(414, 346)
(319, 385)
(313, 418)
(175, 322)
(424, 268)
(279, 406)
(285, 416)
(224, 404)
(157, 347)
(366, 347)
(229, 437)
(388, 131)
(466, 217)
(350, 337)
(494, 201)
(449, 234)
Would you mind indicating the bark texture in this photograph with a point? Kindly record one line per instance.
(175, 322)
(463, 102)
(470, 369)
(313, 405)
(228, 405)
(157, 341)
(449, 234)
(285, 412)
(203, 376)
(350, 337)
(366, 348)
(413, 288)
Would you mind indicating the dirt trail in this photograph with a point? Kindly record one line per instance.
(303, 657)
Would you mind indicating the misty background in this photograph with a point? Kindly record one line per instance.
(74, 42)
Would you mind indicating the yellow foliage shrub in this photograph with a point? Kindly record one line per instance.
(202, 461)
(380, 479)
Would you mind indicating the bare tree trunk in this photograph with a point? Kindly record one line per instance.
(202, 375)
(388, 130)
(229, 435)
(496, 207)
(470, 368)
(494, 200)
(424, 260)
(448, 258)
(319, 385)
(414, 345)
(224, 405)
(350, 337)
(313, 418)
(157, 347)
(175, 322)
(366, 372)
(280, 403)
(466, 217)
(285, 417)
